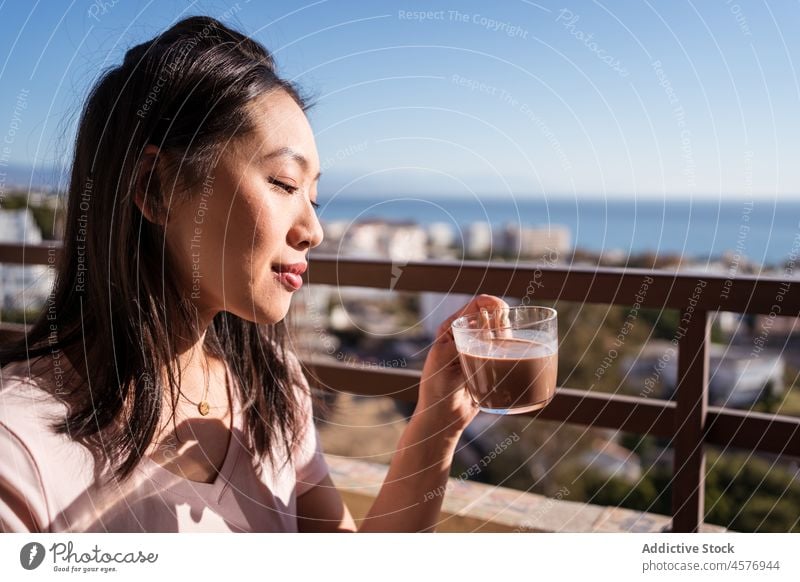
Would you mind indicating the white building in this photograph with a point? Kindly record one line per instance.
(22, 287)
(478, 239)
(551, 241)
(737, 377)
(380, 239)
(441, 235)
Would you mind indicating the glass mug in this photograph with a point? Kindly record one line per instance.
(509, 357)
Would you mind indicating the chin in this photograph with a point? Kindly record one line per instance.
(269, 314)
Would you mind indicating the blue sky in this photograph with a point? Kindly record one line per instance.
(646, 99)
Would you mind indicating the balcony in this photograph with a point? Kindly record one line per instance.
(688, 422)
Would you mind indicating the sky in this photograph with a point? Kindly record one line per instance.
(651, 99)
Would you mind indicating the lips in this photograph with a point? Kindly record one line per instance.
(296, 268)
(290, 275)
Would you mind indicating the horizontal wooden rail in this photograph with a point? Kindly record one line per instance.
(29, 254)
(757, 431)
(653, 289)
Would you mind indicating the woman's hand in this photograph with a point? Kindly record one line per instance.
(443, 397)
(424, 457)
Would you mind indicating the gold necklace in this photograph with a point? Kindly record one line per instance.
(202, 407)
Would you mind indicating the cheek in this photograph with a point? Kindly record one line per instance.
(253, 240)
(263, 219)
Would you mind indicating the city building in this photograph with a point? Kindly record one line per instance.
(22, 287)
(738, 376)
(546, 241)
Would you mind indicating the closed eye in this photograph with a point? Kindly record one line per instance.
(289, 189)
(282, 185)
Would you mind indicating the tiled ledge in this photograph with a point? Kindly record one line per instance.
(473, 507)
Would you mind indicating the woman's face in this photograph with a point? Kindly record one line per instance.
(251, 218)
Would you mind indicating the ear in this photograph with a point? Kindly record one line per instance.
(147, 185)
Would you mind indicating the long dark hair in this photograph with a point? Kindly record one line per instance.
(186, 92)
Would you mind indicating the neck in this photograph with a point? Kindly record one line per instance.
(196, 364)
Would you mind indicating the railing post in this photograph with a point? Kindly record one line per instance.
(689, 461)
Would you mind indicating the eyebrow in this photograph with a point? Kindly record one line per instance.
(292, 154)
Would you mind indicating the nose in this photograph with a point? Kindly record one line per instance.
(307, 230)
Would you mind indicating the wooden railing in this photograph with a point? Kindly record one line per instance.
(688, 420)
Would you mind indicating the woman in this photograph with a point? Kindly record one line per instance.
(155, 393)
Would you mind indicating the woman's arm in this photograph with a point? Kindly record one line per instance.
(411, 496)
(321, 510)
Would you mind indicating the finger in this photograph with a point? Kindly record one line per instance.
(497, 323)
(488, 302)
(486, 325)
(503, 323)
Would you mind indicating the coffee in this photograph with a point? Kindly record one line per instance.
(516, 374)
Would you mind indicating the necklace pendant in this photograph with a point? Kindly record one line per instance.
(203, 408)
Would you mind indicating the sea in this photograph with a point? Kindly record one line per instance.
(766, 232)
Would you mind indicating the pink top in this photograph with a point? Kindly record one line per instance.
(47, 482)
